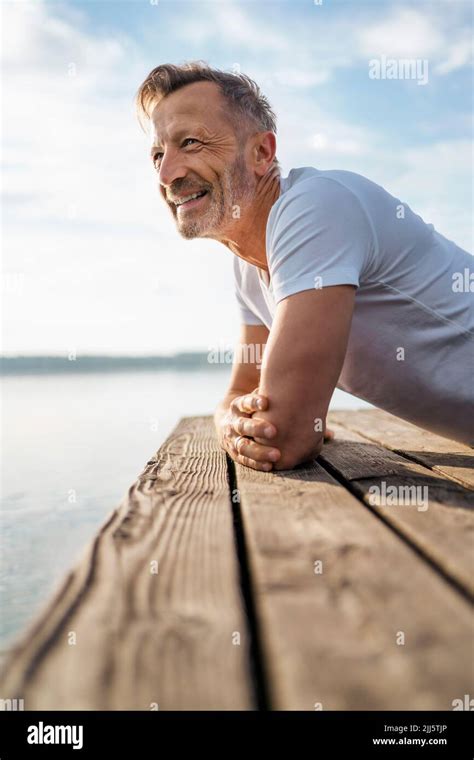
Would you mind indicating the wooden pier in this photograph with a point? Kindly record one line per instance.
(345, 584)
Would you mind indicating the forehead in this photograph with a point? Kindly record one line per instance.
(200, 103)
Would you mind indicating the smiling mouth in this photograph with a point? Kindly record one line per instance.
(189, 201)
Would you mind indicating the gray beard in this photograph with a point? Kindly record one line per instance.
(234, 190)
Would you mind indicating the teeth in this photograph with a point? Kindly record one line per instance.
(188, 198)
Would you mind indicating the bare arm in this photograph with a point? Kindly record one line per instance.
(303, 359)
(238, 413)
(245, 375)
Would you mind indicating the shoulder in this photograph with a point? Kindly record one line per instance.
(319, 199)
(321, 193)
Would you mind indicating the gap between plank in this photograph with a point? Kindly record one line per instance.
(259, 679)
(406, 539)
(411, 457)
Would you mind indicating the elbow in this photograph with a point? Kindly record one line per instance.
(298, 442)
(293, 454)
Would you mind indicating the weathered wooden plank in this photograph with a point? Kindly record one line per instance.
(442, 455)
(433, 512)
(332, 632)
(144, 639)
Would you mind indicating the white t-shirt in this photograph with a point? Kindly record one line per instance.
(411, 343)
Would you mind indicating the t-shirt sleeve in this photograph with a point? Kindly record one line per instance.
(319, 235)
(247, 316)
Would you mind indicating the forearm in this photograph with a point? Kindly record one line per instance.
(301, 365)
(245, 375)
(298, 413)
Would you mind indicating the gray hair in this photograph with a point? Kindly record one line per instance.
(250, 109)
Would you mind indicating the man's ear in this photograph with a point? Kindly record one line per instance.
(263, 152)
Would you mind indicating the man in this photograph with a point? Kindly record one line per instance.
(343, 284)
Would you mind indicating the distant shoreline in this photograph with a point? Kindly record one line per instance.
(34, 365)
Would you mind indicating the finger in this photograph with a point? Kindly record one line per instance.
(249, 403)
(248, 448)
(248, 462)
(329, 435)
(254, 427)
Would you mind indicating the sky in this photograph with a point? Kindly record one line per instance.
(92, 262)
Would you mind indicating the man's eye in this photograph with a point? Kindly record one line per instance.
(189, 140)
(157, 158)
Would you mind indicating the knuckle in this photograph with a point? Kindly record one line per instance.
(247, 426)
(240, 444)
(244, 403)
(237, 404)
(240, 425)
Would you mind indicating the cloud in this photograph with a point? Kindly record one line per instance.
(83, 220)
(332, 145)
(433, 178)
(39, 41)
(457, 57)
(409, 33)
(405, 33)
(308, 54)
(227, 22)
(73, 146)
(87, 236)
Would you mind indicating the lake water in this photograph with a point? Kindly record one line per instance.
(72, 445)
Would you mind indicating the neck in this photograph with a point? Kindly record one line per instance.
(246, 237)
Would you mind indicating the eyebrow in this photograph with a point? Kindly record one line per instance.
(179, 133)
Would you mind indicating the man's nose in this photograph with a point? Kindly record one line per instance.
(171, 168)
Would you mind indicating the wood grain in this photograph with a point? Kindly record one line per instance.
(379, 627)
(442, 527)
(450, 458)
(332, 640)
(143, 639)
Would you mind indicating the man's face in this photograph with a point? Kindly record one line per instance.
(196, 152)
